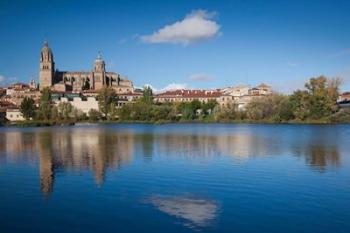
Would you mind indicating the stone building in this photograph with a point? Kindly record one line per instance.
(182, 95)
(63, 81)
(16, 92)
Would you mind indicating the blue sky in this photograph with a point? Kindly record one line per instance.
(196, 44)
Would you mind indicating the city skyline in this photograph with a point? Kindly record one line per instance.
(188, 44)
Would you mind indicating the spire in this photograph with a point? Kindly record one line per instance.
(99, 63)
(46, 43)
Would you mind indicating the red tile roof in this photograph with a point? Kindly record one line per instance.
(131, 94)
(4, 103)
(190, 94)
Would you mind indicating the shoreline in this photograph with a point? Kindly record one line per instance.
(39, 124)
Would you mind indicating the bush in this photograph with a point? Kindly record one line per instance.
(343, 116)
(94, 115)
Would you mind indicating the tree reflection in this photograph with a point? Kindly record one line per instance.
(99, 149)
(318, 156)
(68, 149)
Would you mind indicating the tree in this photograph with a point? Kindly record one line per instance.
(147, 95)
(272, 108)
(27, 108)
(45, 104)
(227, 113)
(54, 113)
(319, 101)
(94, 115)
(65, 110)
(112, 111)
(299, 102)
(106, 98)
(208, 107)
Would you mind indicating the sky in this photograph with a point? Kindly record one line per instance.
(181, 43)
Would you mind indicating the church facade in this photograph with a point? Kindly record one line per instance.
(76, 81)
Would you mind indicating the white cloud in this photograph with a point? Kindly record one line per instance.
(196, 26)
(169, 87)
(2, 79)
(200, 77)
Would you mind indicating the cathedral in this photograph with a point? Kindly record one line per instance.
(62, 81)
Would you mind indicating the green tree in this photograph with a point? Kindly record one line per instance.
(227, 113)
(319, 101)
(209, 106)
(45, 104)
(300, 105)
(106, 98)
(112, 111)
(27, 108)
(65, 110)
(147, 95)
(269, 108)
(94, 115)
(55, 114)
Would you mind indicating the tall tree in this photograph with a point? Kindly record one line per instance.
(323, 96)
(27, 108)
(45, 104)
(107, 98)
(147, 95)
(65, 110)
(318, 101)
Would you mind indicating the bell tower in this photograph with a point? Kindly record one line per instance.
(47, 67)
(99, 72)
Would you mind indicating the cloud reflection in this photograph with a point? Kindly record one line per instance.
(100, 149)
(195, 211)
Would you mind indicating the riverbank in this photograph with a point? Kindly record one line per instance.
(37, 123)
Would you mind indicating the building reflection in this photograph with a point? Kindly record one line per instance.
(66, 149)
(318, 154)
(238, 146)
(99, 149)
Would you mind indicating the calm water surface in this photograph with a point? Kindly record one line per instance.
(175, 178)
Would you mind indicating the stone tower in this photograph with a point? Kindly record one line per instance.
(99, 72)
(47, 67)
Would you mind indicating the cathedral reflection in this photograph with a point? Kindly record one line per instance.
(96, 150)
(100, 149)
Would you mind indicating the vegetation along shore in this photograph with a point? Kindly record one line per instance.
(316, 104)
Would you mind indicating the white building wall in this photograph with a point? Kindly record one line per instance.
(14, 115)
(83, 105)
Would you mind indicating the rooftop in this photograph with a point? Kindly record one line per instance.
(191, 93)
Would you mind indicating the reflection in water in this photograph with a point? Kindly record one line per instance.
(101, 148)
(319, 148)
(197, 211)
(58, 149)
(236, 145)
